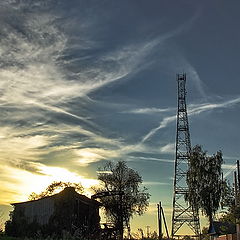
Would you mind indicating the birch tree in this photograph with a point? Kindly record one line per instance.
(204, 179)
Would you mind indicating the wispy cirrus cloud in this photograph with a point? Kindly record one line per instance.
(155, 183)
(152, 210)
(182, 65)
(193, 109)
(36, 86)
(148, 110)
(163, 124)
(168, 148)
(228, 170)
(47, 75)
(147, 159)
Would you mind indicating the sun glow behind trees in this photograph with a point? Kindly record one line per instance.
(23, 182)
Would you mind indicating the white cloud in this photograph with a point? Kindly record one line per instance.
(155, 183)
(229, 169)
(86, 156)
(151, 159)
(169, 148)
(36, 80)
(183, 65)
(193, 109)
(163, 124)
(229, 166)
(152, 209)
(149, 110)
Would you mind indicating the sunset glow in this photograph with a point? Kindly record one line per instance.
(86, 82)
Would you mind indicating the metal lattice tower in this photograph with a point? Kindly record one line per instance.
(183, 214)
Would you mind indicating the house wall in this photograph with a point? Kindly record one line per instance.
(66, 210)
(39, 211)
(86, 214)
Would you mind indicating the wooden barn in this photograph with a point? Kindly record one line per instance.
(67, 210)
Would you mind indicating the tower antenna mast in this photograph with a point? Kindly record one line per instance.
(183, 214)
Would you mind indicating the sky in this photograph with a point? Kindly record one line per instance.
(85, 82)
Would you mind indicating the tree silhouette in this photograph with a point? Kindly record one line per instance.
(134, 200)
(55, 187)
(204, 179)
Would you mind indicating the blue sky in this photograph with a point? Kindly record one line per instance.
(83, 82)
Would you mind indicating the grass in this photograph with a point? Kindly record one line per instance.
(9, 238)
(3, 237)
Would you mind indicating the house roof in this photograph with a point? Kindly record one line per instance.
(221, 228)
(66, 190)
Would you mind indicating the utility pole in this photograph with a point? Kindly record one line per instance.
(161, 216)
(148, 231)
(159, 206)
(121, 218)
(237, 190)
(183, 214)
(238, 175)
(141, 232)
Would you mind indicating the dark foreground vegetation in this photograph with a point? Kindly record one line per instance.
(70, 215)
(66, 237)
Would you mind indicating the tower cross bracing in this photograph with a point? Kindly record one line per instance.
(183, 214)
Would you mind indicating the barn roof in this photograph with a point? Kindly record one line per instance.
(67, 190)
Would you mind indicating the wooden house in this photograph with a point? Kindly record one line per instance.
(67, 210)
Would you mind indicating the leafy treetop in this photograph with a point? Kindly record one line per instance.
(135, 199)
(54, 188)
(205, 183)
